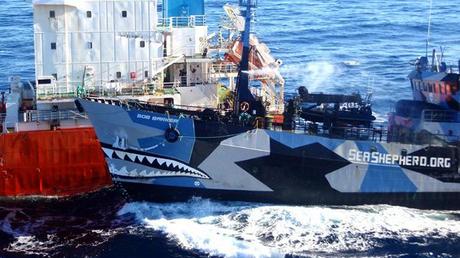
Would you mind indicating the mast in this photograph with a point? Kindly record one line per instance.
(245, 101)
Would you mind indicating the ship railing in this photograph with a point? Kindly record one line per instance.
(182, 22)
(149, 106)
(153, 89)
(403, 135)
(48, 115)
(55, 95)
(440, 116)
(225, 68)
(140, 89)
(377, 132)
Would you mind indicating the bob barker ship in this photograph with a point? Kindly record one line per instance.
(321, 149)
(158, 52)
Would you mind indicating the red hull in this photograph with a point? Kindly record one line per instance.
(52, 163)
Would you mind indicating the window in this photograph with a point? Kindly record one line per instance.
(118, 75)
(54, 75)
(403, 152)
(53, 45)
(52, 14)
(146, 74)
(142, 44)
(124, 14)
(89, 14)
(89, 45)
(44, 81)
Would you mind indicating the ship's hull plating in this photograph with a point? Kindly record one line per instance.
(52, 163)
(217, 161)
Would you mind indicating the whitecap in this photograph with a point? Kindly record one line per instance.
(351, 63)
(244, 230)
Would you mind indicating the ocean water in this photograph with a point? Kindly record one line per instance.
(328, 46)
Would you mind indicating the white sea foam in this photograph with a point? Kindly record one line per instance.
(352, 63)
(30, 245)
(36, 236)
(243, 230)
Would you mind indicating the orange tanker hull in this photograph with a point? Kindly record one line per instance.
(57, 163)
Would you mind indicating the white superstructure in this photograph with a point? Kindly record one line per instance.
(152, 50)
(95, 43)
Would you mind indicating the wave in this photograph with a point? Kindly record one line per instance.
(351, 63)
(252, 230)
(47, 227)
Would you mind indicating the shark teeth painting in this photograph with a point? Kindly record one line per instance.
(160, 167)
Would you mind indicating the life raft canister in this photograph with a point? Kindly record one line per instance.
(172, 135)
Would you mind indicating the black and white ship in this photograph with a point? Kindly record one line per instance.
(323, 149)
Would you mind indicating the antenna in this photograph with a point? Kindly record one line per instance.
(428, 36)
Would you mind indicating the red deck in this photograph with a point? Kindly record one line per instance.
(52, 163)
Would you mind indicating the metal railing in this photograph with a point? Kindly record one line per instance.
(225, 68)
(377, 132)
(41, 116)
(55, 92)
(182, 22)
(441, 116)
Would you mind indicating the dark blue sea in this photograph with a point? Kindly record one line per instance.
(328, 46)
